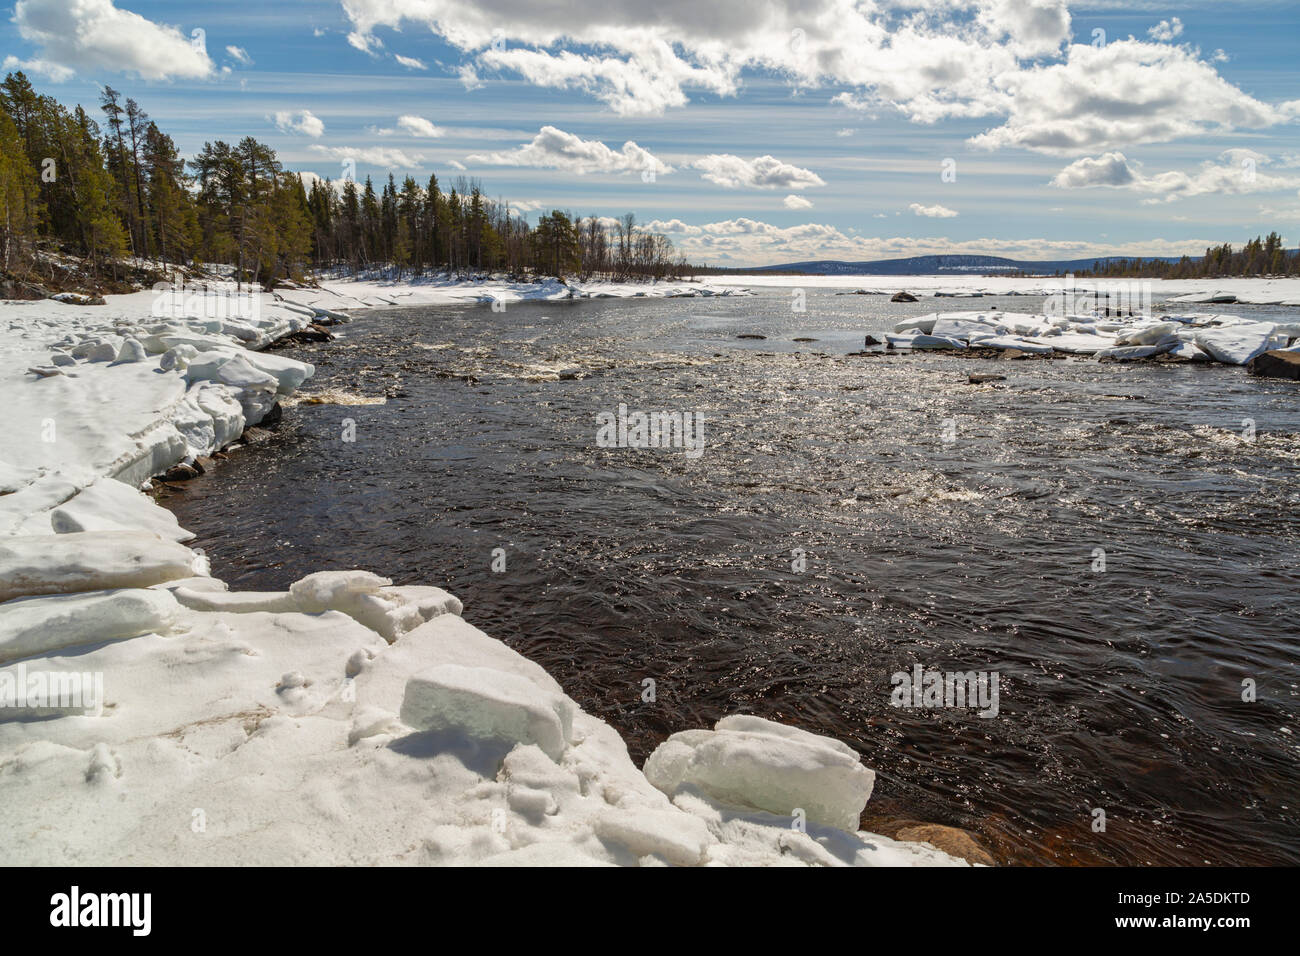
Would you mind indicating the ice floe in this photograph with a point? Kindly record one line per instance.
(1229, 339)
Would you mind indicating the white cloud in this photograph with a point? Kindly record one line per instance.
(77, 35)
(1123, 93)
(304, 121)
(1166, 30)
(372, 156)
(847, 131)
(469, 78)
(456, 164)
(239, 55)
(418, 126)
(410, 62)
(1111, 169)
(51, 71)
(750, 242)
(932, 212)
(553, 148)
(1237, 171)
(796, 202)
(765, 172)
(1011, 59)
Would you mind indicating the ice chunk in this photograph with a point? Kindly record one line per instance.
(749, 761)
(37, 625)
(372, 601)
(484, 703)
(91, 561)
(1148, 335)
(678, 838)
(1238, 344)
(967, 328)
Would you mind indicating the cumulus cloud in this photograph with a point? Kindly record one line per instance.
(239, 55)
(303, 121)
(1123, 93)
(796, 202)
(1166, 30)
(51, 71)
(74, 35)
(372, 156)
(765, 172)
(1112, 169)
(418, 126)
(1011, 59)
(1235, 172)
(553, 148)
(751, 242)
(932, 212)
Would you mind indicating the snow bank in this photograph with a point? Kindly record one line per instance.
(149, 715)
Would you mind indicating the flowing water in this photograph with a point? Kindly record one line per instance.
(1112, 541)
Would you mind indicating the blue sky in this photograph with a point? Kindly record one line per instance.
(760, 132)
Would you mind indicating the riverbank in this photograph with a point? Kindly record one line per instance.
(152, 716)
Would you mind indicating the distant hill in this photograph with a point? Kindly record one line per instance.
(937, 265)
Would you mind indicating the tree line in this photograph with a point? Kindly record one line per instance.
(115, 191)
(1261, 256)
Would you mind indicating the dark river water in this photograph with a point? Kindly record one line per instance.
(941, 524)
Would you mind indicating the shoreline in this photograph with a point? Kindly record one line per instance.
(378, 707)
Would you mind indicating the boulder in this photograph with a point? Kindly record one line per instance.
(953, 841)
(903, 297)
(1278, 363)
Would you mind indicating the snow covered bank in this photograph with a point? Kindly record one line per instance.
(354, 293)
(1283, 291)
(1192, 337)
(148, 715)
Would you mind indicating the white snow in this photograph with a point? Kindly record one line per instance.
(1279, 291)
(1230, 339)
(346, 720)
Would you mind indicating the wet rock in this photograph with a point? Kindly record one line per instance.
(312, 333)
(981, 379)
(871, 340)
(1014, 354)
(180, 472)
(273, 415)
(903, 297)
(1276, 364)
(256, 436)
(805, 340)
(951, 840)
(750, 335)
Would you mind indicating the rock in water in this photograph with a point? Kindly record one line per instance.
(1276, 364)
(951, 840)
(981, 379)
(872, 340)
(903, 297)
